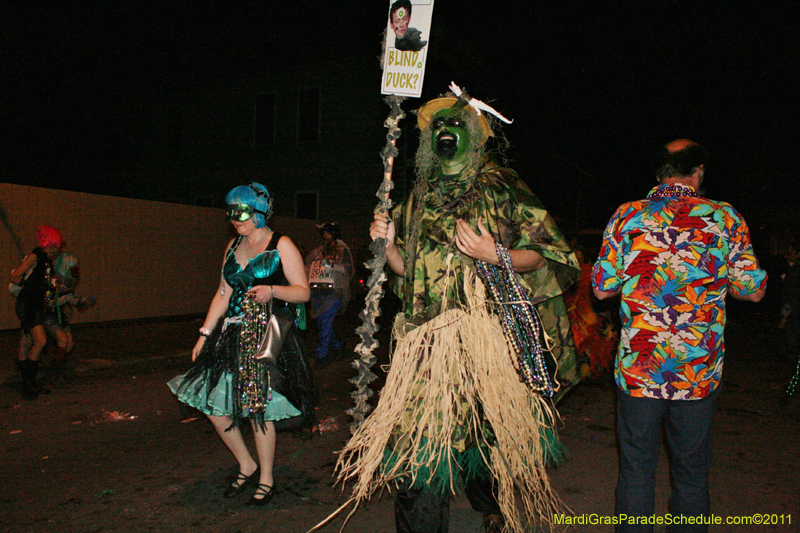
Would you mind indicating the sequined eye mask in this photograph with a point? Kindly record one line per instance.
(241, 212)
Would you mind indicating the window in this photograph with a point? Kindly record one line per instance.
(306, 204)
(308, 115)
(265, 119)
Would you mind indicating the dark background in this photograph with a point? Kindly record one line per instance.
(593, 87)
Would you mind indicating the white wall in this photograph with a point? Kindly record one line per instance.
(138, 258)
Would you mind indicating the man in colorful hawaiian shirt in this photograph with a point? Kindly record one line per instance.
(673, 257)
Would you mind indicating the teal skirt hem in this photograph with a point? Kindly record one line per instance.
(217, 399)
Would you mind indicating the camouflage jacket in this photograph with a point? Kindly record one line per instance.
(517, 219)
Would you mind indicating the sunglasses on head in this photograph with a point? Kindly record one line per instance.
(241, 212)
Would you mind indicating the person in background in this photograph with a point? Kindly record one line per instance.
(33, 276)
(673, 257)
(64, 299)
(226, 381)
(330, 270)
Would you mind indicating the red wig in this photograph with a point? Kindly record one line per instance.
(49, 237)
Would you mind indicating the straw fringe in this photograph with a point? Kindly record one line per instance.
(457, 367)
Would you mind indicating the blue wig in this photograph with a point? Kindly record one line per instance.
(255, 195)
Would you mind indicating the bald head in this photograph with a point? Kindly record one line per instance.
(678, 145)
(679, 159)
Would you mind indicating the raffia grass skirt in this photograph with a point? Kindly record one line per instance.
(452, 395)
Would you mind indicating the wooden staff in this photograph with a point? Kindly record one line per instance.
(377, 276)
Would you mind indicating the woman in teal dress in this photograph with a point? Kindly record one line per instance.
(226, 382)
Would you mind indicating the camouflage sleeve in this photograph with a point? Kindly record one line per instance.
(537, 230)
(396, 283)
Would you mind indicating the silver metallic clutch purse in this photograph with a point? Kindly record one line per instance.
(279, 325)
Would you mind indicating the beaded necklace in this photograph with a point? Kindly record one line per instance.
(673, 190)
(251, 384)
(794, 382)
(252, 249)
(521, 325)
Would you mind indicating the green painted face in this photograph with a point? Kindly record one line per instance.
(449, 136)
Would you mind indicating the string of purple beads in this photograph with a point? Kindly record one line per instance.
(521, 325)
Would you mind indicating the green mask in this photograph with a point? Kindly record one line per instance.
(450, 137)
(241, 212)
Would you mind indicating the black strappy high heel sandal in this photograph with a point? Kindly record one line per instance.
(240, 483)
(268, 493)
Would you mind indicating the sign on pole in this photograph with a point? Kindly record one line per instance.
(407, 40)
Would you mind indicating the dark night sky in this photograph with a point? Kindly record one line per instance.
(593, 86)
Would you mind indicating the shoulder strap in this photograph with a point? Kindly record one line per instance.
(273, 242)
(233, 248)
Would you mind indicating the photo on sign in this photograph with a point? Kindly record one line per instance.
(407, 38)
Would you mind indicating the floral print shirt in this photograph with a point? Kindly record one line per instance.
(674, 256)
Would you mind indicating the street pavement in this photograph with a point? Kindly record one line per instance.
(756, 456)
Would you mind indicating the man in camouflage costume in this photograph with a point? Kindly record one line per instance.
(463, 202)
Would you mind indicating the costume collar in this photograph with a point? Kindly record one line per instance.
(673, 189)
(444, 189)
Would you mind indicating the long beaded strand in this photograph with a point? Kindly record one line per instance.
(255, 320)
(791, 388)
(521, 324)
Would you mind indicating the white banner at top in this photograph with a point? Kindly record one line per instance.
(407, 39)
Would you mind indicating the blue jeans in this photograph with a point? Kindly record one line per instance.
(687, 425)
(327, 336)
